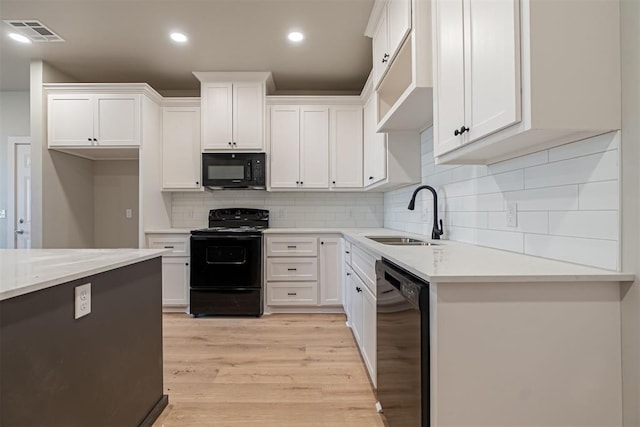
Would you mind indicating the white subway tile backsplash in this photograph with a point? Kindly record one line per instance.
(599, 196)
(567, 202)
(594, 252)
(592, 224)
(591, 168)
(597, 144)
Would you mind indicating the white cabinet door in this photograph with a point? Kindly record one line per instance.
(175, 281)
(331, 271)
(368, 346)
(117, 120)
(492, 66)
(346, 147)
(181, 148)
(399, 23)
(248, 133)
(477, 70)
(449, 75)
(380, 46)
(285, 147)
(217, 110)
(375, 147)
(70, 120)
(357, 289)
(347, 301)
(314, 147)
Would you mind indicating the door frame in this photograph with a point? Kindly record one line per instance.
(13, 141)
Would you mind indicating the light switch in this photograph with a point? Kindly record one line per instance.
(128, 213)
(3, 214)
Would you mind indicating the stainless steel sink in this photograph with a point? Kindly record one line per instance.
(400, 241)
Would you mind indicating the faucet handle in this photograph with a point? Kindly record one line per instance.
(441, 230)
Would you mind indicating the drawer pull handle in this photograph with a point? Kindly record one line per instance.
(291, 247)
(168, 247)
(348, 274)
(358, 289)
(347, 252)
(292, 269)
(292, 293)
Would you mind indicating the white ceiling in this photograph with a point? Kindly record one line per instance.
(127, 41)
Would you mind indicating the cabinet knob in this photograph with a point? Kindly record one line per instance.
(347, 252)
(229, 143)
(461, 131)
(370, 177)
(348, 274)
(385, 58)
(197, 182)
(301, 182)
(297, 182)
(358, 289)
(322, 243)
(88, 139)
(95, 139)
(186, 263)
(234, 144)
(334, 183)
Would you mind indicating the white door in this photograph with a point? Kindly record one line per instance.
(22, 185)
(492, 66)
(117, 120)
(449, 75)
(314, 147)
(399, 23)
(369, 332)
(374, 145)
(247, 116)
(175, 281)
(181, 147)
(285, 147)
(380, 49)
(357, 289)
(346, 147)
(217, 108)
(331, 265)
(70, 120)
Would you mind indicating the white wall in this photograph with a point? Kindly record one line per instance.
(567, 201)
(14, 121)
(287, 210)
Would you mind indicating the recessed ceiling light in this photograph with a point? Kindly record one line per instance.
(19, 38)
(178, 37)
(295, 36)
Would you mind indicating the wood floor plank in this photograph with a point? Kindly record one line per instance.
(279, 370)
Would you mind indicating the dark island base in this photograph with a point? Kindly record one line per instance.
(104, 369)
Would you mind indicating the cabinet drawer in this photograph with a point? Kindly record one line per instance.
(287, 269)
(177, 243)
(365, 267)
(347, 252)
(292, 246)
(305, 293)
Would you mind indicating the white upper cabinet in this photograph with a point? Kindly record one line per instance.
(232, 116)
(93, 120)
(375, 147)
(299, 146)
(181, 154)
(394, 23)
(345, 137)
(519, 76)
(233, 109)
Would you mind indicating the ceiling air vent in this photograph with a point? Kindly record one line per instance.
(35, 30)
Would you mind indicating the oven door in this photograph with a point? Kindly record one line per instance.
(226, 261)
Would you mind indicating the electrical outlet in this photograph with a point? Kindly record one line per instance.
(512, 214)
(83, 300)
(128, 213)
(3, 214)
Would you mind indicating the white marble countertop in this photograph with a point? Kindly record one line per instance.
(455, 262)
(27, 270)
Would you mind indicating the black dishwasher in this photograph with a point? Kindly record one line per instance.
(402, 346)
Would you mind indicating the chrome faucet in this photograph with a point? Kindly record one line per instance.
(437, 231)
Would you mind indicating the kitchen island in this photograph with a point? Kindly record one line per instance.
(95, 359)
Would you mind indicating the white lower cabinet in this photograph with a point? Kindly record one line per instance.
(175, 267)
(175, 281)
(304, 271)
(360, 304)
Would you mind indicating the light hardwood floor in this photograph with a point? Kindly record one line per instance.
(277, 370)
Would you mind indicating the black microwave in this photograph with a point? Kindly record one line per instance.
(233, 171)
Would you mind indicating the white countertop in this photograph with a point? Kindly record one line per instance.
(27, 270)
(455, 262)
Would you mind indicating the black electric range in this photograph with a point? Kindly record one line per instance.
(226, 263)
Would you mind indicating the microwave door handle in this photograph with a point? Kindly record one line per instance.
(249, 171)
